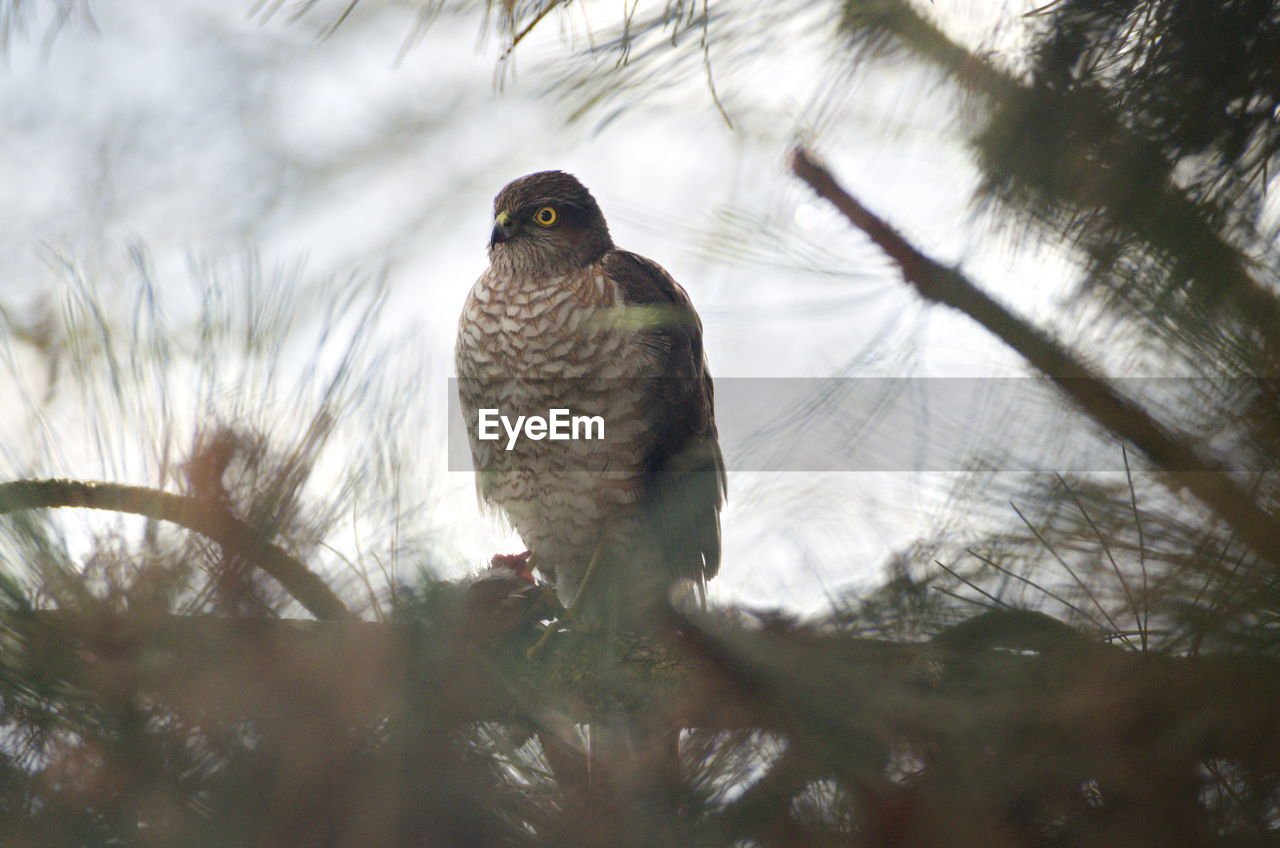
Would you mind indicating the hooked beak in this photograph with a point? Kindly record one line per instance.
(503, 228)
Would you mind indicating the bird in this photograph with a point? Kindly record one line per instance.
(563, 319)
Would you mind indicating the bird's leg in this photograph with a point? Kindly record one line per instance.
(570, 615)
(593, 568)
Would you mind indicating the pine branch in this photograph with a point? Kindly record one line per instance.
(204, 516)
(837, 697)
(1185, 463)
(1129, 179)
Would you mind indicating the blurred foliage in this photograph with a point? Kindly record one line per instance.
(1132, 135)
(1095, 666)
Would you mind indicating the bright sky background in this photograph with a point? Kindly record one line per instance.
(207, 130)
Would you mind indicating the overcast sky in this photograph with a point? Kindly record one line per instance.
(212, 131)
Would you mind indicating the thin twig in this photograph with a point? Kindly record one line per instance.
(337, 22)
(706, 63)
(975, 587)
(1133, 604)
(974, 601)
(1045, 590)
(1142, 544)
(1115, 627)
(528, 28)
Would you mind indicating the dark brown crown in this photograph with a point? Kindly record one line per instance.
(547, 187)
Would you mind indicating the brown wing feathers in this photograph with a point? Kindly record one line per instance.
(685, 476)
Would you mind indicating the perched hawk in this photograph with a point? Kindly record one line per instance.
(562, 319)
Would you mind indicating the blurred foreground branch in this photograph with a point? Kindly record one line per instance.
(1186, 465)
(1034, 145)
(719, 674)
(203, 515)
(434, 728)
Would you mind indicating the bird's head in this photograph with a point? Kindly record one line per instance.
(547, 222)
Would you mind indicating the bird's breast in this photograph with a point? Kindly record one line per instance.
(529, 345)
(566, 325)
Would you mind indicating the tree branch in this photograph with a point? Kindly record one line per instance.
(837, 697)
(1161, 213)
(1186, 464)
(205, 517)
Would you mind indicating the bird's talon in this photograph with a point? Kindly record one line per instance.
(568, 620)
(543, 640)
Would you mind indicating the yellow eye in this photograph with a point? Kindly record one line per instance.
(546, 216)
